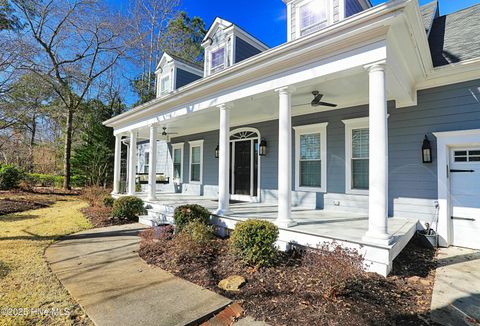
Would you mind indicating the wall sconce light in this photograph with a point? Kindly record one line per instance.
(217, 151)
(426, 151)
(262, 149)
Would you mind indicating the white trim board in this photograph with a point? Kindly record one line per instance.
(195, 143)
(445, 141)
(318, 128)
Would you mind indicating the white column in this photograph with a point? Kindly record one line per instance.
(284, 218)
(132, 164)
(378, 157)
(152, 168)
(224, 162)
(117, 165)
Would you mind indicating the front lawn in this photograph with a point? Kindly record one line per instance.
(25, 278)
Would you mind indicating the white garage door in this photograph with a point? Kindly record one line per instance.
(465, 196)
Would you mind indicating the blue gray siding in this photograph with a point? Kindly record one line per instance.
(244, 50)
(352, 7)
(453, 107)
(185, 77)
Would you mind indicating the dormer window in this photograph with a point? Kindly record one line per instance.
(165, 85)
(312, 16)
(218, 59)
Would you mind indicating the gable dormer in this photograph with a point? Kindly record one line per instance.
(226, 44)
(308, 16)
(173, 72)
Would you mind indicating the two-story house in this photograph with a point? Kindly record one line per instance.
(360, 129)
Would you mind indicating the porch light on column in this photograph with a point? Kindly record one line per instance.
(262, 149)
(217, 151)
(426, 151)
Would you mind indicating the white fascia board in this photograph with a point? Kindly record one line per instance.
(360, 27)
(217, 22)
(165, 57)
(452, 74)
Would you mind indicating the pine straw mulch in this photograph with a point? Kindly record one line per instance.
(101, 217)
(306, 287)
(20, 201)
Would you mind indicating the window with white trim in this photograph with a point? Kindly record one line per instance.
(312, 16)
(165, 85)
(356, 155)
(311, 157)
(147, 162)
(177, 159)
(196, 161)
(217, 59)
(465, 155)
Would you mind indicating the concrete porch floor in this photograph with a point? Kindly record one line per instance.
(313, 226)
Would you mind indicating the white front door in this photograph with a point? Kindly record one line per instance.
(465, 196)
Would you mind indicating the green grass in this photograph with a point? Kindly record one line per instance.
(25, 278)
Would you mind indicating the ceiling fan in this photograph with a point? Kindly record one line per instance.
(317, 101)
(165, 133)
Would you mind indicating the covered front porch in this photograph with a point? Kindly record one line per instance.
(324, 175)
(313, 227)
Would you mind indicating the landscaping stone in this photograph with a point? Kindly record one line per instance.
(232, 283)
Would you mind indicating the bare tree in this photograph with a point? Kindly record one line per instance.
(76, 41)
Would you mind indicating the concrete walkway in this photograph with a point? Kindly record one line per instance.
(103, 272)
(456, 292)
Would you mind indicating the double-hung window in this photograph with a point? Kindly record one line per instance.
(357, 155)
(196, 161)
(312, 16)
(147, 162)
(311, 157)
(177, 158)
(217, 59)
(165, 85)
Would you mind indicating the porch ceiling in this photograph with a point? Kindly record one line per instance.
(347, 91)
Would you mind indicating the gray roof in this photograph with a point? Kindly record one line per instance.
(429, 13)
(456, 37)
(197, 65)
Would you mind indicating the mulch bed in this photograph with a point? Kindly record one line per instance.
(297, 291)
(15, 202)
(102, 217)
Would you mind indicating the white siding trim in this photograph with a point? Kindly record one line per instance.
(320, 128)
(350, 125)
(196, 143)
(181, 147)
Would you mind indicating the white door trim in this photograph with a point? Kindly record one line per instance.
(254, 199)
(445, 141)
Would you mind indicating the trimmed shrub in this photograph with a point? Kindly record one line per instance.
(189, 213)
(108, 201)
(199, 232)
(128, 207)
(10, 177)
(254, 242)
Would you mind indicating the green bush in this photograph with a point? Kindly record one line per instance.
(108, 201)
(199, 232)
(189, 213)
(10, 177)
(48, 180)
(254, 241)
(128, 207)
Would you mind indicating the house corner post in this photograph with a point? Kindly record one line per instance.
(378, 157)
(132, 164)
(284, 217)
(152, 167)
(117, 165)
(224, 161)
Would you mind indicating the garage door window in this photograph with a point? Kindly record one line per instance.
(467, 156)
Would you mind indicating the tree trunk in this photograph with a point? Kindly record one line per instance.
(32, 143)
(68, 150)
